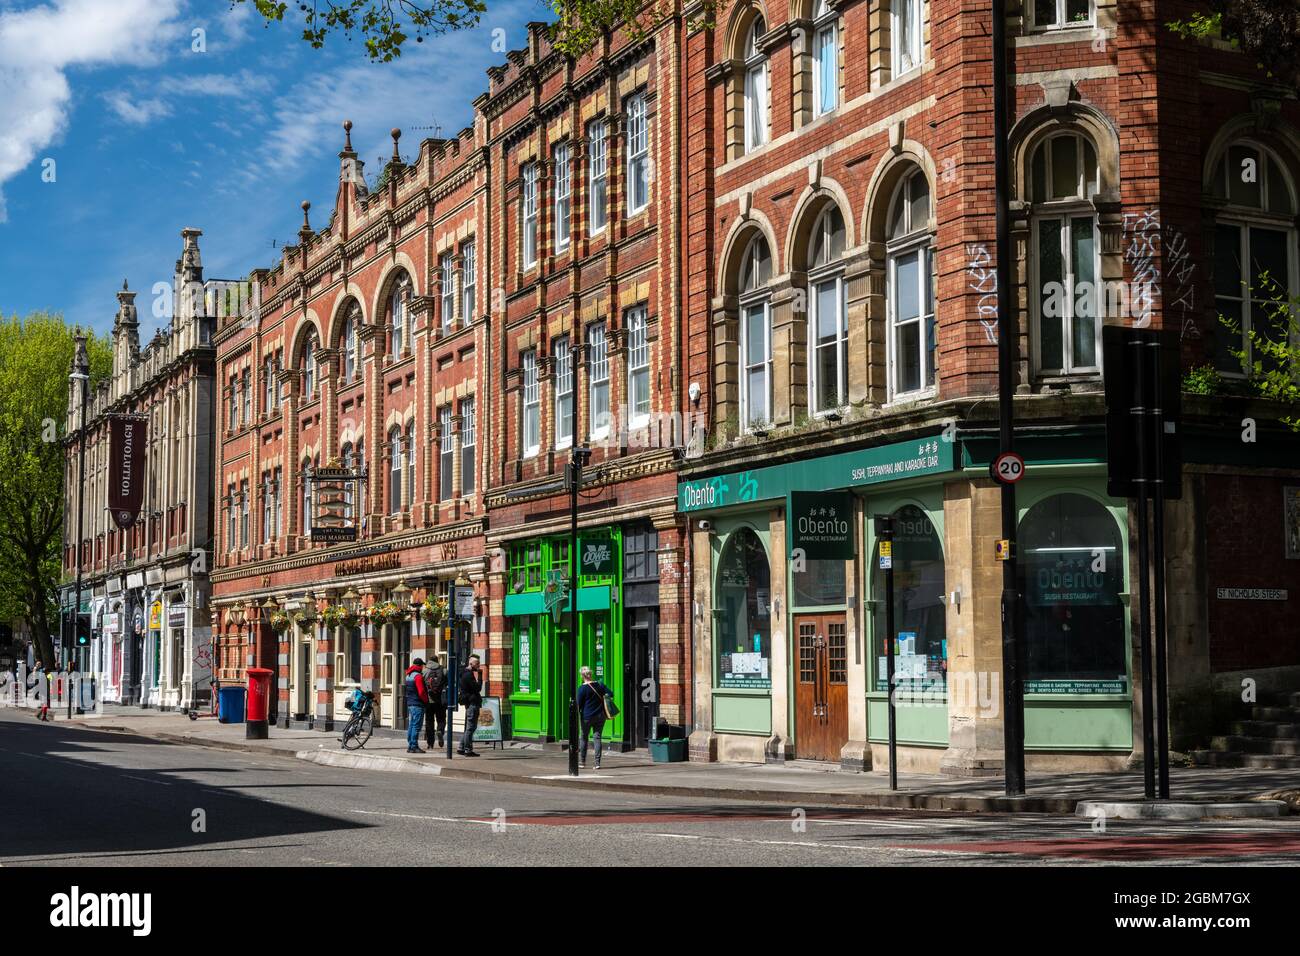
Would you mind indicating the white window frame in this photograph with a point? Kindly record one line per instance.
(756, 298)
(638, 153)
(397, 319)
(757, 89)
(468, 279)
(247, 389)
(446, 454)
(914, 10)
(447, 270)
(396, 470)
(309, 365)
(528, 215)
(1066, 212)
(268, 385)
(268, 519)
(1238, 218)
(1031, 16)
(597, 378)
(562, 376)
(531, 420)
(410, 487)
(563, 196)
(831, 272)
(638, 364)
(306, 499)
(598, 176)
(350, 363)
(915, 239)
(468, 440)
(825, 21)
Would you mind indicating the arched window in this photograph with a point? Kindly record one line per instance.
(1254, 235)
(348, 458)
(1067, 299)
(826, 58)
(744, 616)
(398, 334)
(1072, 576)
(827, 314)
(755, 87)
(397, 467)
(348, 342)
(309, 365)
(910, 273)
(907, 19)
(756, 334)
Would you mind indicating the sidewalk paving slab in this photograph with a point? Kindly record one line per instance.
(634, 772)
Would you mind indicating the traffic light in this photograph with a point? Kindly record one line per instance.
(83, 630)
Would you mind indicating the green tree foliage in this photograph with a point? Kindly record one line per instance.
(1268, 30)
(383, 25)
(1273, 368)
(35, 357)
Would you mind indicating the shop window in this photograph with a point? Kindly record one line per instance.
(743, 599)
(524, 633)
(526, 566)
(1072, 576)
(821, 584)
(912, 277)
(1254, 234)
(920, 639)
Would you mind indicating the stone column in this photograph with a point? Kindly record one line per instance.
(324, 678)
(790, 350)
(780, 746)
(856, 753)
(674, 604)
(972, 523)
(703, 741)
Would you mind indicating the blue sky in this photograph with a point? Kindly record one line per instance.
(149, 136)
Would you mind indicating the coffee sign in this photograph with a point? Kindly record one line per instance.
(821, 524)
(126, 462)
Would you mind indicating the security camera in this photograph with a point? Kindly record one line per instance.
(693, 390)
(706, 524)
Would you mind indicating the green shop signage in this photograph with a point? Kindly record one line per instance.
(866, 466)
(597, 557)
(821, 523)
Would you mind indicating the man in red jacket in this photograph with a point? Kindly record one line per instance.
(417, 698)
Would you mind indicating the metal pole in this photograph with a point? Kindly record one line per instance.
(1157, 433)
(453, 685)
(575, 480)
(1013, 727)
(83, 375)
(1144, 582)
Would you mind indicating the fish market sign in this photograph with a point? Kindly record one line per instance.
(867, 466)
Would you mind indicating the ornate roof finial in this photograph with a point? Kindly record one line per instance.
(397, 134)
(305, 233)
(347, 129)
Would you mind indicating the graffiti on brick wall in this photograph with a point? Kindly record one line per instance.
(1141, 248)
(983, 280)
(1182, 273)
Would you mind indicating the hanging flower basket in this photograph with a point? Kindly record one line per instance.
(387, 612)
(279, 622)
(434, 611)
(336, 615)
(305, 623)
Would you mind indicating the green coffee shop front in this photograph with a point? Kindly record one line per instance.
(790, 644)
(617, 622)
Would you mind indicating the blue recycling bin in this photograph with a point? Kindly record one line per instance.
(230, 705)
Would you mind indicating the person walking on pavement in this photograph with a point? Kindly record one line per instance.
(416, 699)
(40, 684)
(591, 709)
(471, 698)
(435, 685)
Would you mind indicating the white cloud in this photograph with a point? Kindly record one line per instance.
(39, 44)
(136, 112)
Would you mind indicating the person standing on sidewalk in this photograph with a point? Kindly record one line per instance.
(39, 682)
(416, 699)
(435, 685)
(591, 708)
(471, 698)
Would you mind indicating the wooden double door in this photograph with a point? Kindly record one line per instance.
(821, 719)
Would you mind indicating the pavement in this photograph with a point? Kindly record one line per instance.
(88, 798)
(634, 772)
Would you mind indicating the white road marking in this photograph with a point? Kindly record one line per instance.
(161, 783)
(416, 816)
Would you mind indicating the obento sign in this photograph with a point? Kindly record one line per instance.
(822, 524)
(126, 461)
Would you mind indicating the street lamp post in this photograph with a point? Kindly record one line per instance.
(578, 458)
(81, 375)
(268, 607)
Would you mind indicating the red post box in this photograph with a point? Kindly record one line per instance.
(259, 698)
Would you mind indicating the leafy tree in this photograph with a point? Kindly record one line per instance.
(1274, 372)
(385, 25)
(1268, 30)
(35, 357)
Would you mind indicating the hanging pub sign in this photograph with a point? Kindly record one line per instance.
(821, 524)
(597, 557)
(336, 492)
(126, 463)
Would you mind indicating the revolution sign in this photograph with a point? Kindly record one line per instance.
(867, 466)
(126, 458)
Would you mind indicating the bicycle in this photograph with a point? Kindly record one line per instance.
(361, 724)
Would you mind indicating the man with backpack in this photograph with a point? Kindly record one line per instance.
(435, 685)
(471, 697)
(416, 699)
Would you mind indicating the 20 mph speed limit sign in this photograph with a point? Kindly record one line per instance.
(1007, 468)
